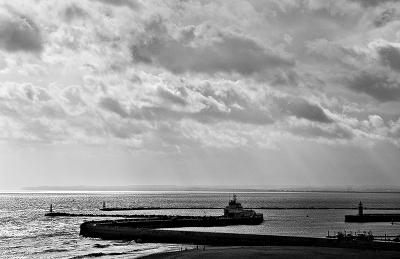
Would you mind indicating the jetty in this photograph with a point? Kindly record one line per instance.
(155, 230)
(105, 208)
(234, 214)
(109, 231)
(66, 214)
(371, 217)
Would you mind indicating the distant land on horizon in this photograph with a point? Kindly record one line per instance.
(220, 188)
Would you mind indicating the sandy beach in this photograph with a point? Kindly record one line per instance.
(298, 252)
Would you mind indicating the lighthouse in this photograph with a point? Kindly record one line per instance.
(360, 209)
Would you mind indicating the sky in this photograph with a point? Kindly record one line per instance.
(129, 92)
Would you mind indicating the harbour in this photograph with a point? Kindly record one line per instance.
(62, 232)
(153, 230)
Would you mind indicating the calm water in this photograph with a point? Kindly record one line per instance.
(26, 233)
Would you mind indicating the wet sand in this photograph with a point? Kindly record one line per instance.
(278, 252)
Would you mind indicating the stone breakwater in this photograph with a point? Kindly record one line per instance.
(110, 231)
(373, 218)
(164, 221)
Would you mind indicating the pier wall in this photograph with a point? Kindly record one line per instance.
(115, 232)
(373, 218)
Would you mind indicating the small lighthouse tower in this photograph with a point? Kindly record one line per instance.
(360, 209)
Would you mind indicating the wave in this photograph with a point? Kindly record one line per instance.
(53, 250)
(54, 234)
(122, 243)
(100, 245)
(99, 255)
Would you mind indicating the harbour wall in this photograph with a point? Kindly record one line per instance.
(373, 218)
(121, 232)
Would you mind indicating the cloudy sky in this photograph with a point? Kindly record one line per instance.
(126, 92)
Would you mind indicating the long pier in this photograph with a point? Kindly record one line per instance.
(65, 214)
(254, 208)
(372, 218)
(111, 231)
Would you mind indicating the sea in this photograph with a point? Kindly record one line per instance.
(25, 231)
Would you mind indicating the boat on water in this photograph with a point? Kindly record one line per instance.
(235, 210)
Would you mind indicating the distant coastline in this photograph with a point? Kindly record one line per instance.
(217, 189)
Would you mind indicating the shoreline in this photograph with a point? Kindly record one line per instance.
(232, 252)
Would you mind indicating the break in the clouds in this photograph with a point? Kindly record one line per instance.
(169, 76)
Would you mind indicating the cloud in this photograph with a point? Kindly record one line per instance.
(208, 115)
(72, 12)
(19, 33)
(373, 3)
(379, 84)
(250, 116)
(386, 17)
(174, 98)
(394, 131)
(114, 106)
(222, 52)
(336, 54)
(390, 56)
(303, 109)
(110, 73)
(127, 3)
(319, 132)
(376, 121)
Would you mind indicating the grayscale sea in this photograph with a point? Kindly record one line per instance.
(26, 233)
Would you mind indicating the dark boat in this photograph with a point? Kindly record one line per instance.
(236, 211)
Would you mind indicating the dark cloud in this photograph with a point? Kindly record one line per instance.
(73, 95)
(372, 3)
(20, 33)
(208, 115)
(386, 17)
(390, 56)
(212, 114)
(230, 53)
(114, 106)
(230, 97)
(36, 93)
(127, 3)
(122, 129)
(73, 12)
(53, 110)
(378, 84)
(285, 78)
(303, 109)
(316, 131)
(333, 52)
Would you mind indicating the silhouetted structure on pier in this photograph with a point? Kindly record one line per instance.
(369, 217)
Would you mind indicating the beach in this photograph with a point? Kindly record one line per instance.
(278, 252)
